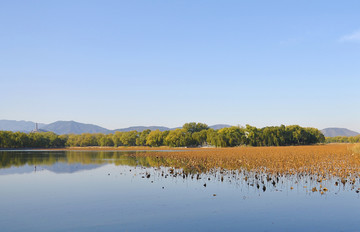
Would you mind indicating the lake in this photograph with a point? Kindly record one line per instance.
(128, 191)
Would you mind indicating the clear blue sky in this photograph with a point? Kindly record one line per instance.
(126, 63)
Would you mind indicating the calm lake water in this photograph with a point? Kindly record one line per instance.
(117, 191)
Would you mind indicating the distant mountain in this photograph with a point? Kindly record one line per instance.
(333, 132)
(163, 128)
(142, 128)
(13, 125)
(71, 127)
(219, 126)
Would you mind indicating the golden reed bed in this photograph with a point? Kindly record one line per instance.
(338, 160)
(317, 167)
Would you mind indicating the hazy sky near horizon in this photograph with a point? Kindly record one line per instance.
(127, 63)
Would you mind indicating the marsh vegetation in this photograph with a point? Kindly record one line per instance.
(263, 167)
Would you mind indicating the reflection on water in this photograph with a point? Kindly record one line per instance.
(74, 161)
(130, 191)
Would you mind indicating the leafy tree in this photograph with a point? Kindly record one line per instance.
(116, 138)
(212, 138)
(106, 141)
(252, 135)
(178, 138)
(199, 138)
(155, 139)
(193, 127)
(142, 138)
(129, 138)
(231, 136)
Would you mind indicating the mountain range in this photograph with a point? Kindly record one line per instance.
(23, 126)
(333, 132)
(72, 127)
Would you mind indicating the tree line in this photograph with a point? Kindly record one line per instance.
(343, 139)
(190, 135)
(10, 139)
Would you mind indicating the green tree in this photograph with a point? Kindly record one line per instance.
(199, 138)
(106, 141)
(129, 138)
(193, 127)
(142, 138)
(155, 139)
(252, 135)
(178, 138)
(116, 137)
(231, 136)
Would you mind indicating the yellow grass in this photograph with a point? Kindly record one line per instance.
(355, 148)
(339, 160)
(323, 160)
(317, 168)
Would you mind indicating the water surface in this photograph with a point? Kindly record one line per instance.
(120, 191)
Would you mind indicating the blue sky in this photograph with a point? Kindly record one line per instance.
(126, 63)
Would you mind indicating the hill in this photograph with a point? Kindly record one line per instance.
(163, 128)
(142, 128)
(219, 126)
(333, 132)
(71, 127)
(14, 125)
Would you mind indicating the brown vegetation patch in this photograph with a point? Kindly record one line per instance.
(323, 161)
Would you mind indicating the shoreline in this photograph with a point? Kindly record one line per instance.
(96, 148)
(161, 148)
